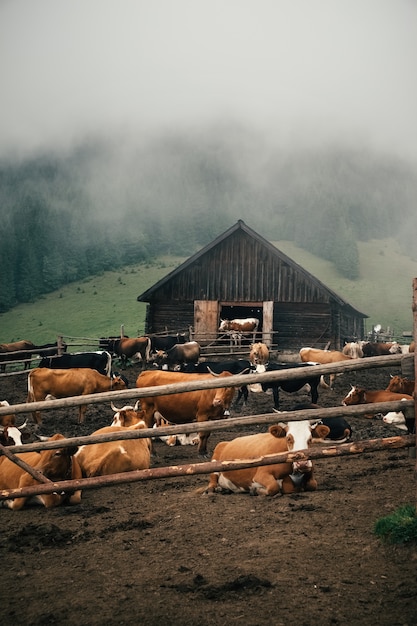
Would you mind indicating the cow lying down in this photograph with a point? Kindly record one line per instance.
(129, 415)
(268, 480)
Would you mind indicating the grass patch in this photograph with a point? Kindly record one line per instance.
(399, 527)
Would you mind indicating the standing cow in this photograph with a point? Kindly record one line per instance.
(16, 351)
(238, 328)
(79, 381)
(179, 355)
(190, 406)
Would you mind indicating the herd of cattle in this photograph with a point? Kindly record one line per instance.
(172, 360)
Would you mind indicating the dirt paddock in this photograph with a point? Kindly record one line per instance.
(157, 554)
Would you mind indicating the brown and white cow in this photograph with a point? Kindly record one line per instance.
(238, 328)
(179, 355)
(315, 355)
(114, 457)
(259, 354)
(353, 349)
(189, 406)
(10, 434)
(399, 384)
(268, 480)
(78, 381)
(58, 464)
(358, 395)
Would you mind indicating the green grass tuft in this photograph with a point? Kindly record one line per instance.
(399, 527)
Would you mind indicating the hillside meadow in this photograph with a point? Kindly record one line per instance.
(100, 305)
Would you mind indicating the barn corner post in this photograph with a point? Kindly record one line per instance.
(414, 307)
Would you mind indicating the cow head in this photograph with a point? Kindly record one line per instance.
(355, 396)
(299, 436)
(127, 415)
(57, 464)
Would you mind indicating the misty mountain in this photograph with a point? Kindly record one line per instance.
(108, 203)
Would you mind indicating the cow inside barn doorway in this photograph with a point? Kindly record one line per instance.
(241, 312)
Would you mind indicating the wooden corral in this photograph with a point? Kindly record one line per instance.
(342, 449)
(240, 274)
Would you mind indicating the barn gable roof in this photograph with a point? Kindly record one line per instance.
(148, 295)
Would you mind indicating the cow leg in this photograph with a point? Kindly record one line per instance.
(275, 391)
(314, 392)
(202, 445)
(212, 487)
(266, 483)
(81, 413)
(242, 393)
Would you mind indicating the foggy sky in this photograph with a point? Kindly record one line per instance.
(313, 71)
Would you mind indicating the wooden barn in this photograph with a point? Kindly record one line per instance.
(240, 274)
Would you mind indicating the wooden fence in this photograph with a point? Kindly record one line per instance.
(203, 468)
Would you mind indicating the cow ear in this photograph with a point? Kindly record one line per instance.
(277, 430)
(71, 451)
(321, 431)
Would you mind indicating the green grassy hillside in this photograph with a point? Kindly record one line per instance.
(99, 306)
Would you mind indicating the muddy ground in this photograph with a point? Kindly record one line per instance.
(157, 554)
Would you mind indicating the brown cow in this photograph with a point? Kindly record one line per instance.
(358, 395)
(114, 457)
(58, 464)
(370, 348)
(259, 354)
(268, 480)
(398, 384)
(190, 406)
(78, 381)
(16, 351)
(315, 355)
(128, 347)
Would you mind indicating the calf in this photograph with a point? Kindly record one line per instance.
(268, 480)
(114, 457)
(58, 464)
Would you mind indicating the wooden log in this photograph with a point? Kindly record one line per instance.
(357, 447)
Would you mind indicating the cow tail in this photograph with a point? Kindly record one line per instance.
(30, 397)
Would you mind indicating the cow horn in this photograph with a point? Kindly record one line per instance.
(137, 406)
(211, 372)
(41, 437)
(115, 409)
(22, 426)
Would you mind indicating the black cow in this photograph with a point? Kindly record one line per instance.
(100, 361)
(290, 386)
(237, 366)
(340, 429)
